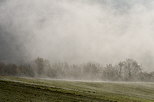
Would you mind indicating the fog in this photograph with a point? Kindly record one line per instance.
(77, 31)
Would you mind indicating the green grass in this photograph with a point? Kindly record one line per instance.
(13, 89)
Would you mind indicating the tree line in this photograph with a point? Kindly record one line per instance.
(128, 70)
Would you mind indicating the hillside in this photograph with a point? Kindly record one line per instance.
(13, 89)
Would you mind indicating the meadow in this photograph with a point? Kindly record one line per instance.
(14, 89)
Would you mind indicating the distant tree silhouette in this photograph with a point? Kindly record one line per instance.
(128, 70)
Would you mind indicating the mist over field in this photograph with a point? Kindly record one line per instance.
(77, 31)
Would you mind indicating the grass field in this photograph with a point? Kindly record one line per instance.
(13, 89)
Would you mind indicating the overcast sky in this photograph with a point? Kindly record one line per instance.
(77, 31)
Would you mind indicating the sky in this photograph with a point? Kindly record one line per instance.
(77, 31)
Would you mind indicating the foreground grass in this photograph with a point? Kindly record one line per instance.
(13, 89)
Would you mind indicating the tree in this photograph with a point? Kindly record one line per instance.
(110, 72)
(2, 68)
(129, 69)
